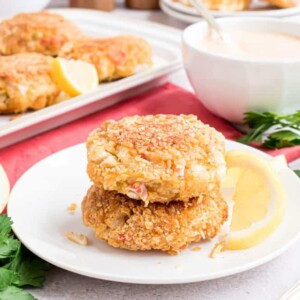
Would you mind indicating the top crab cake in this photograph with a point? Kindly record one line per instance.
(157, 158)
(41, 32)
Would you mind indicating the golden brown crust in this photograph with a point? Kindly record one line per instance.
(283, 3)
(114, 57)
(126, 223)
(222, 5)
(157, 158)
(25, 82)
(40, 32)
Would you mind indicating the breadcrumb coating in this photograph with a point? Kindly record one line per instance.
(222, 5)
(26, 83)
(283, 3)
(41, 32)
(126, 223)
(157, 158)
(114, 57)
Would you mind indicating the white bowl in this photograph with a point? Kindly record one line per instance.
(9, 8)
(229, 87)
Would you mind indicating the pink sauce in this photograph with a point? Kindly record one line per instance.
(253, 45)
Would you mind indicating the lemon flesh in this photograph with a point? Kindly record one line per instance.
(4, 189)
(259, 199)
(74, 77)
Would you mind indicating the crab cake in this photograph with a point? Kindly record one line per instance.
(157, 158)
(114, 57)
(126, 223)
(25, 83)
(40, 32)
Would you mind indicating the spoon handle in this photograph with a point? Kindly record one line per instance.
(208, 17)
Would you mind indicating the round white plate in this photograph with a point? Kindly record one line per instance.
(258, 9)
(38, 208)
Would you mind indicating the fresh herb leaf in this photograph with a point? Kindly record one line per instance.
(7, 278)
(8, 247)
(255, 120)
(14, 293)
(297, 172)
(18, 266)
(31, 269)
(286, 129)
(254, 135)
(5, 225)
(283, 138)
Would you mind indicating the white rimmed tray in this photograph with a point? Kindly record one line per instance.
(165, 42)
(38, 207)
(258, 8)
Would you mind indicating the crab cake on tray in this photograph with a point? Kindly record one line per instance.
(157, 158)
(25, 83)
(40, 32)
(126, 223)
(114, 57)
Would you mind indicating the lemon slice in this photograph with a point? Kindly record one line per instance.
(74, 77)
(258, 196)
(4, 189)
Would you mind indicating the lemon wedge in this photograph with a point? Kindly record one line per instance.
(4, 189)
(74, 77)
(259, 198)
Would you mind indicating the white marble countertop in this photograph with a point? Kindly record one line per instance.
(265, 282)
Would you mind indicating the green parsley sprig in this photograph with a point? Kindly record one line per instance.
(285, 129)
(18, 267)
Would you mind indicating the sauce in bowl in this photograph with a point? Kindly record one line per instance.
(253, 45)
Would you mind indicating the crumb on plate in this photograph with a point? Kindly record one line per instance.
(72, 208)
(196, 248)
(217, 249)
(77, 238)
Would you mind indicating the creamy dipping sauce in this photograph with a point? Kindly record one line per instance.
(253, 45)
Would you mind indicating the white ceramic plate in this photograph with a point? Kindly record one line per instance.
(165, 42)
(186, 18)
(38, 208)
(257, 9)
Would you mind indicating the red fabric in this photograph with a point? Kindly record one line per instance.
(167, 99)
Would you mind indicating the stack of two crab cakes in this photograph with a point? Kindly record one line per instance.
(156, 182)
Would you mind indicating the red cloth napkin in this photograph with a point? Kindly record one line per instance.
(167, 99)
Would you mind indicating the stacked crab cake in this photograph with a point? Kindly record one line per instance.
(41, 32)
(27, 44)
(156, 182)
(26, 83)
(114, 58)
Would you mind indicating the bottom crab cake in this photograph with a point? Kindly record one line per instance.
(126, 223)
(26, 83)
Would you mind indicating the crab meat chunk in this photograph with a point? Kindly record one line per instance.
(109, 161)
(97, 154)
(137, 191)
(179, 170)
